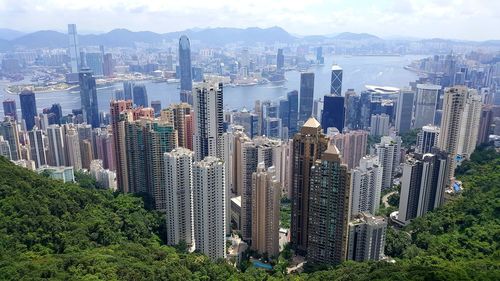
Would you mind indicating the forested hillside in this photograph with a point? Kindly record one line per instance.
(51, 230)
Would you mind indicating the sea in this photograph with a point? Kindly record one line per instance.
(358, 71)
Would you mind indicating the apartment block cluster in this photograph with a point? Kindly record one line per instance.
(213, 173)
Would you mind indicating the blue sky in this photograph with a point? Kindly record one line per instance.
(457, 19)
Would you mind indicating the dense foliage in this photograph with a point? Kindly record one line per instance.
(51, 230)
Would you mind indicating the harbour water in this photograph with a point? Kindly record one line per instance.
(358, 71)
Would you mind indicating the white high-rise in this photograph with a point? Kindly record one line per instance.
(389, 154)
(459, 124)
(366, 182)
(209, 210)
(179, 195)
(38, 147)
(208, 120)
(426, 100)
(57, 147)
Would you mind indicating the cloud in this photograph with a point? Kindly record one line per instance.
(463, 19)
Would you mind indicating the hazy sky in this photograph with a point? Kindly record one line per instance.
(459, 19)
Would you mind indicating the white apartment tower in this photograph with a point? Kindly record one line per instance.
(366, 182)
(179, 195)
(209, 210)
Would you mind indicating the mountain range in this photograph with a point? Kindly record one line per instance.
(220, 36)
(10, 39)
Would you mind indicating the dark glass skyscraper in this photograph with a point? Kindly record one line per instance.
(306, 95)
(127, 89)
(140, 96)
(336, 81)
(28, 108)
(9, 108)
(185, 69)
(280, 60)
(88, 95)
(333, 113)
(365, 110)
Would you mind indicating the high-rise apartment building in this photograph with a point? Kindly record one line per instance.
(73, 155)
(182, 118)
(8, 129)
(404, 112)
(388, 152)
(118, 127)
(57, 148)
(424, 180)
(379, 125)
(306, 96)
(426, 102)
(179, 196)
(336, 81)
(266, 195)
(28, 108)
(366, 238)
(329, 198)
(460, 124)
(427, 139)
(352, 146)
(88, 96)
(209, 210)
(5, 148)
(308, 146)
(38, 147)
(366, 181)
(185, 69)
(208, 120)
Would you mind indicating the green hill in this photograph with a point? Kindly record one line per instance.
(56, 231)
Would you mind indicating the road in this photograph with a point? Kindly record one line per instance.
(386, 197)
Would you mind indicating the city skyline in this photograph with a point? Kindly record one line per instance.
(450, 19)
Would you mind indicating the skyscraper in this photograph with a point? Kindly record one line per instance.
(366, 182)
(485, 122)
(185, 69)
(74, 50)
(88, 96)
(179, 196)
(9, 108)
(459, 125)
(208, 120)
(182, 117)
(329, 198)
(365, 113)
(352, 146)
(38, 146)
(280, 60)
(404, 113)
(352, 110)
(426, 102)
(209, 210)
(366, 238)
(140, 95)
(128, 87)
(95, 63)
(379, 125)
(336, 81)
(333, 112)
(425, 177)
(5, 148)
(28, 108)
(306, 95)
(289, 112)
(107, 65)
(8, 129)
(308, 146)
(427, 139)
(57, 147)
(118, 127)
(73, 156)
(388, 152)
(266, 195)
